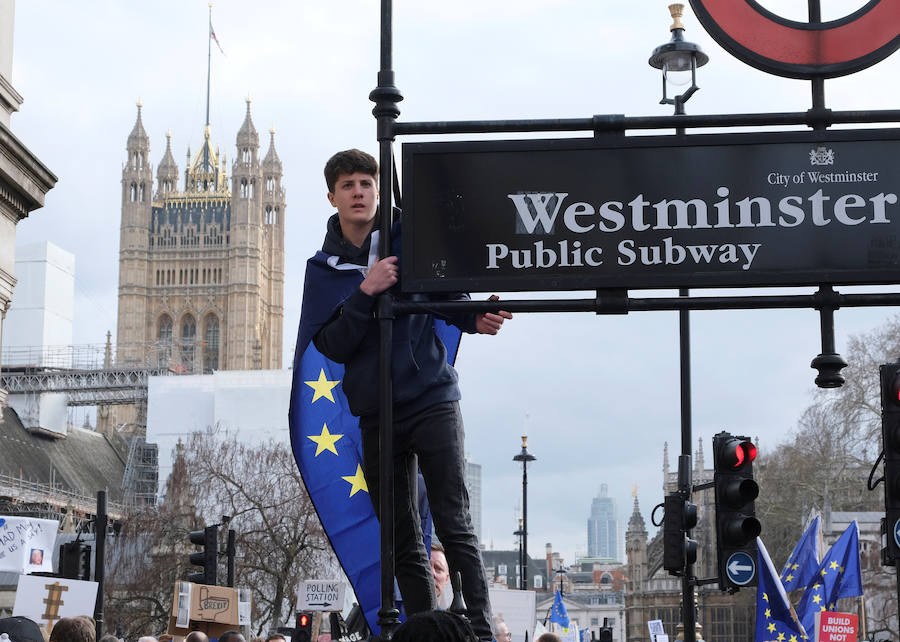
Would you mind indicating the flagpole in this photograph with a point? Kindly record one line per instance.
(208, 61)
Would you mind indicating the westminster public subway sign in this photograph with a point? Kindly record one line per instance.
(650, 212)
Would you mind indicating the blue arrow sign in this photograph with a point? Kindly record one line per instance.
(897, 532)
(740, 568)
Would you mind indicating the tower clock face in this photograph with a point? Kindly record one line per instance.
(783, 47)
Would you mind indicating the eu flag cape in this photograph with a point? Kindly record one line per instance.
(325, 436)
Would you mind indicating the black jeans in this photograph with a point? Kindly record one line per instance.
(436, 436)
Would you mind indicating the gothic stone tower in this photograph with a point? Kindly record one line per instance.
(201, 270)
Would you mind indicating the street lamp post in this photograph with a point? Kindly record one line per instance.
(524, 456)
(679, 56)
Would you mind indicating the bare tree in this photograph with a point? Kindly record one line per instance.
(827, 462)
(148, 556)
(280, 540)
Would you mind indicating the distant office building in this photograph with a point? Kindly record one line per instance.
(473, 485)
(603, 527)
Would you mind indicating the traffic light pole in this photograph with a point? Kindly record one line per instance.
(100, 559)
(688, 614)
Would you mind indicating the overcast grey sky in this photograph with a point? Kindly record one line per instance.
(598, 396)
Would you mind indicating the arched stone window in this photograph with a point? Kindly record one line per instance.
(188, 341)
(133, 192)
(165, 339)
(211, 337)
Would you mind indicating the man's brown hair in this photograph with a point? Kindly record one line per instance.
(349, 161)
(73, 629)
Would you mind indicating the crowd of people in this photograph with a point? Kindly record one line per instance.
(83, 629)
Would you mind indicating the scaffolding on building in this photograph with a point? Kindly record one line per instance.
(86, 374)
(141, 474)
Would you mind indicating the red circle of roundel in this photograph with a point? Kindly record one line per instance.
(784, 47)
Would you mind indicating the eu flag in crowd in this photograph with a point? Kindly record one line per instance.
(776, 620)
(558, 612)
(325, 435)
(837, 576)
(803, 562)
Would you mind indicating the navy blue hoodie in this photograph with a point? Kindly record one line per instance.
(420, 373)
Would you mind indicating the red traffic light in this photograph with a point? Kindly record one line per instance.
(304, 619)
(737, 452)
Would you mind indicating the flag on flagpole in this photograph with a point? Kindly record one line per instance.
(212, 34)
(775, 617)
(837, 576)
(558, 612)
(803, 562)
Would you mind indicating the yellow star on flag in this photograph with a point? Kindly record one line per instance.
(793, 638)
(771, 627)
(768, 613)
(780, 637)
(834, 565)
(824, 572)
(823, 608)
(357, 481)
(322, 387)
(795, 567)
(766, 597)
(325, 441)
(817, 598)
(789, 578)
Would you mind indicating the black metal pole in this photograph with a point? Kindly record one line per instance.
(818, 111)
(99, 560)
(524, 567)
(229, 555)
(386, 96)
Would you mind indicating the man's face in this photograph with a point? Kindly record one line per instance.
(440, 570)
(503, 634)
(355, 196)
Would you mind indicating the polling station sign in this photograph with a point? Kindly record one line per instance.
(321, 595)
(639, 212)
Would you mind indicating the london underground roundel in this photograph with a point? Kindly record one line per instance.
(784, 47)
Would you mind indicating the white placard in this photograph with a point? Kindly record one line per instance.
(47, 599)
(321, 595)
(662, 637)
(656, 630)
(244, 610)
(26, 544)
(517, 610)
(183, 612)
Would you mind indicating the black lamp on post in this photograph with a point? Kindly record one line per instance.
(676, 59)
(678, 56)
(524, 456)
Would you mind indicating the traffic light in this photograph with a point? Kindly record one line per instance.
(208, 538)
(303, 632)
(75, 560)
(679, 550)
(890, 437)
(736, 525)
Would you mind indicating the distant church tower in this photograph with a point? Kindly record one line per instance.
(201, 268)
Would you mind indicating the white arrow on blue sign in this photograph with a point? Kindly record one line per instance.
(741, 568)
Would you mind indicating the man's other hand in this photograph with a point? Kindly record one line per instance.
(490, 322)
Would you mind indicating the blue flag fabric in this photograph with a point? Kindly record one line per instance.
(837, 576)
(325, 436)
(803, 562)
(776, 620)
(558, 612)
